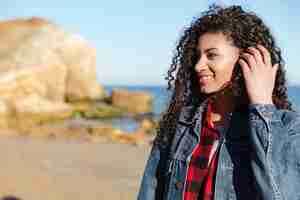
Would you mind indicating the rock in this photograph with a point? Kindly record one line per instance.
(41, 81)
(82, 130)
(34, 109)
(136, 139)
(147, 116)
(106, 111)
(115, 135)
(22, 84)
(147, 125)
(95, 110)
(42, 53)
(134, 102)
(37, 104)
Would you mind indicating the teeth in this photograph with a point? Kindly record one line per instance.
(206, 77)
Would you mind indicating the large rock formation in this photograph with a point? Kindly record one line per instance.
(39, 57)
(47, 74)
(42, 66)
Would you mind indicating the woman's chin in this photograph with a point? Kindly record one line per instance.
(206, 90)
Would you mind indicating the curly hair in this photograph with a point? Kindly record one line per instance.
(245, 29)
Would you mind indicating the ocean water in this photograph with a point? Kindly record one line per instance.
(161, 97)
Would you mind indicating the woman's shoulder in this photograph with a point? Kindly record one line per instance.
(290, 118)
(272, 113)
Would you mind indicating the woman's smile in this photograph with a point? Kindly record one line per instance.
(204, 79)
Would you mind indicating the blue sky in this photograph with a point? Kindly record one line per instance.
(135, 38)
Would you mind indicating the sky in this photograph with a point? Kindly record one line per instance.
(135, 39)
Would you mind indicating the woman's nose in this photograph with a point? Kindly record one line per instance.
(200, 65)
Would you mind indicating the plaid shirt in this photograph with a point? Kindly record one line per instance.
(202, 167)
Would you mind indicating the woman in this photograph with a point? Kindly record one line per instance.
(229, 131)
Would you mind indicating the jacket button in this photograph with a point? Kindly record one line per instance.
(178, 184)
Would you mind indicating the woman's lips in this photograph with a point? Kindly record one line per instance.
(205, 79)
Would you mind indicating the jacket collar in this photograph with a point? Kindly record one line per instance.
(188, 117)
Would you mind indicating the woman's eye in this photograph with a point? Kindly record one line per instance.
(212, 55)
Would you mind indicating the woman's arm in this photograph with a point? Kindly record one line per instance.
(261, 119)
(265, 123)
(275, 157)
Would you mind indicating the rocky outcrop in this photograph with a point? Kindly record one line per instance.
(34, 110)
(97, 110)
(48, 76)
(54, 63)
(47, 82)
(132, 101)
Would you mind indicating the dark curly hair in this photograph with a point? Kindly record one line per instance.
(245, 29)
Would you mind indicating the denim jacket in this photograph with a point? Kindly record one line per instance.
(259, 157)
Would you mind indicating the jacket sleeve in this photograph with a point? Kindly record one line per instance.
(270, 130)
(153, 180)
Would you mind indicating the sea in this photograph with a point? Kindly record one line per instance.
(161, 97)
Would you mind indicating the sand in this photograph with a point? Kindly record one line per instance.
(36, 169)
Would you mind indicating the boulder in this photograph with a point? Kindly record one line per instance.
(33, 110)
(47, 82)
(95, 110)
(63, 64)
(132, 101)
(35, 104)
(100, 132)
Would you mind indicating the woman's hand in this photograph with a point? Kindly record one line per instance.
(259, 74)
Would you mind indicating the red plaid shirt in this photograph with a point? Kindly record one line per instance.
(202, 167)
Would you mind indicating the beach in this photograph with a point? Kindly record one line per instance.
(35, 169)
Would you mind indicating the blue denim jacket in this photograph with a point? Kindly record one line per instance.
(259, 157)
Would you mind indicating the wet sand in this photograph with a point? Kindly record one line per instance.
(36, 169)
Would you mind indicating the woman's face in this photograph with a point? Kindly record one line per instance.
(217, 58)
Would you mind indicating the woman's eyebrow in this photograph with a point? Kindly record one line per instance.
(210, 49)
(207, 50)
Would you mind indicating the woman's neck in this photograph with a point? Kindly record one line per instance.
(220, 106)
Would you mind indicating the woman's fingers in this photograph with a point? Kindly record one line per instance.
(266, 55)
(249, 60)
(245, 67)
(258, 56)
(259, 74)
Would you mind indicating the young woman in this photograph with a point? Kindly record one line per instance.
(229, 131)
